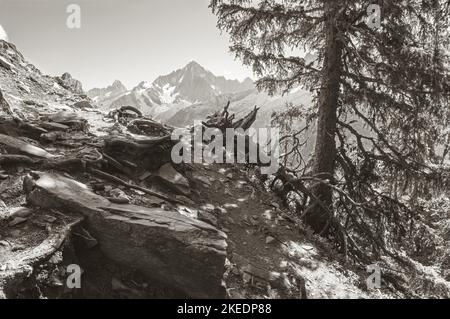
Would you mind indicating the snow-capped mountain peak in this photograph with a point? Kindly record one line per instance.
(185, 86)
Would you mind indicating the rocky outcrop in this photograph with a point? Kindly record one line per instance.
(184, 253)
(69, 83)
(9, 51)
(5, 64)
(4, 105)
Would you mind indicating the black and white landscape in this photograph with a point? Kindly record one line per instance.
(94, 205)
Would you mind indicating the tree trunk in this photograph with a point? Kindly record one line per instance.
(316, 215)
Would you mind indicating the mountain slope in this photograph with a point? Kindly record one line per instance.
(28, 91)
(267, 255)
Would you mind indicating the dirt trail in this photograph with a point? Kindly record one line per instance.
(270, 255)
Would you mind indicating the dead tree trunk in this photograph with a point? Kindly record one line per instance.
(325, 150)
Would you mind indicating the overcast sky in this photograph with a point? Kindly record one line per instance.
(128, 40)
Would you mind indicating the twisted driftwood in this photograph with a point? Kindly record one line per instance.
(223, 120)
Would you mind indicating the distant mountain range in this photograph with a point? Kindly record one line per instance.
(191, 93)
(188, 94)
(189, 85)
(179, 98)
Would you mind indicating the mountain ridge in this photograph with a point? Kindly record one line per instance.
(185, 86)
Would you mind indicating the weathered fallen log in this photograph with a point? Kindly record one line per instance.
(124, 109)
(123, 115)
(147, 154)
(123, 183)
(246, 122)
(70, 119)
(184, 253)
(148, 127)
(17, 127)
(138, 143)
(21, 147)
(30, 130)
(52, 126)
(223, 120)
(74, 164)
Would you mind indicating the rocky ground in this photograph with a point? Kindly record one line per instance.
(78, 186)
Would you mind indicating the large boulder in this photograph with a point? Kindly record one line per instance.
(184, 253)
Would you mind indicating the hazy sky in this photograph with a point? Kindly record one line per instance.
(128, 40)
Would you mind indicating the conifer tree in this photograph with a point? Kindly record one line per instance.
(381, 101)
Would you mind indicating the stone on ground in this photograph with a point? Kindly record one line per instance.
(185, 253)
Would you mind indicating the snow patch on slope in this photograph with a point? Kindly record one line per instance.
(168, 95)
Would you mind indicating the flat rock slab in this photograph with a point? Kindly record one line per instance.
(22, 147)
(184, 253)
(173, 179)
(168, 173)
